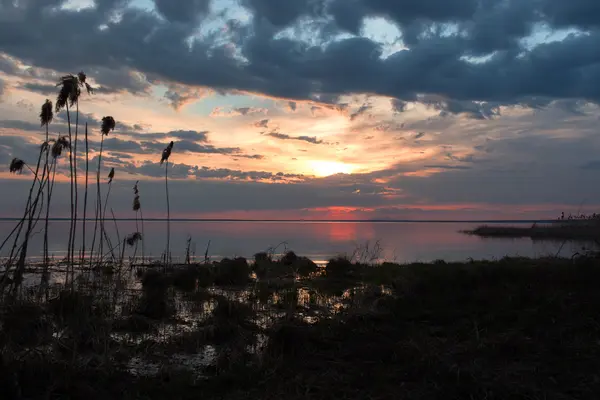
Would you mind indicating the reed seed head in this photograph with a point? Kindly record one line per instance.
(82, 82)
(166, 153)
(111, 175)
(61, 143)
(133, 238)
(46, 115)
(108, 124)
(16, 166)
(69, 91)
(136, 197)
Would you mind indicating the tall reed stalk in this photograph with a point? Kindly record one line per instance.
(108, 125)
(85, 198)
(165, 159)
(68, 96)
(16, 166)
(137, 207)
(104, 236)
(18, 275)
(46, 117)
(81, 83)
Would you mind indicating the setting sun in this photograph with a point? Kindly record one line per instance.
(326, 168)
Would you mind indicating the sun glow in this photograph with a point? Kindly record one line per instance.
(327, 168)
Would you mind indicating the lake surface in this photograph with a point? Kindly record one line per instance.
(399, 241)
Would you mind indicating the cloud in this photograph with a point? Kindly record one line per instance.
(591, 165)
(398, 106)
(196, 136)
(254, 58)
(25, 104)
(272, 11)
(18, 124)
(361, 110)
(283, 136)
(123, 79)
(2, 89)
(41, 88)
(237, 111)
(180, 171)
(179, 96)
(466, 90)
(188, 11)
(8, 65)
(264, 123)
(475, 110)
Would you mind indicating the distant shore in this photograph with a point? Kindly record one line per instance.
(568, 230)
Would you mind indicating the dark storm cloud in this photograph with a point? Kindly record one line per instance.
(109, 82)
(433, 64)
(349, 14)
(278, 14)
(475, 110)
(591, 165)
(187, 11)
(574, 13)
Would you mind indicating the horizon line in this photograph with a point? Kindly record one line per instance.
(489, 221)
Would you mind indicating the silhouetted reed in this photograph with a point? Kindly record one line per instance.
(46, 117)
(108, 125)
(16, 166)
(85, 198)
(165, 159)
(137, 208)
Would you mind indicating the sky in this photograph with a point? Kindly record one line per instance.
(314, 109)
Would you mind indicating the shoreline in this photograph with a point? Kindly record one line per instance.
(576, 231)
(376, 221)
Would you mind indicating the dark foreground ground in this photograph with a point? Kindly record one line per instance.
(512, 329)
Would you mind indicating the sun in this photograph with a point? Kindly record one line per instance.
(327, 168)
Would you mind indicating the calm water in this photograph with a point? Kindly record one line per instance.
(401, 242)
